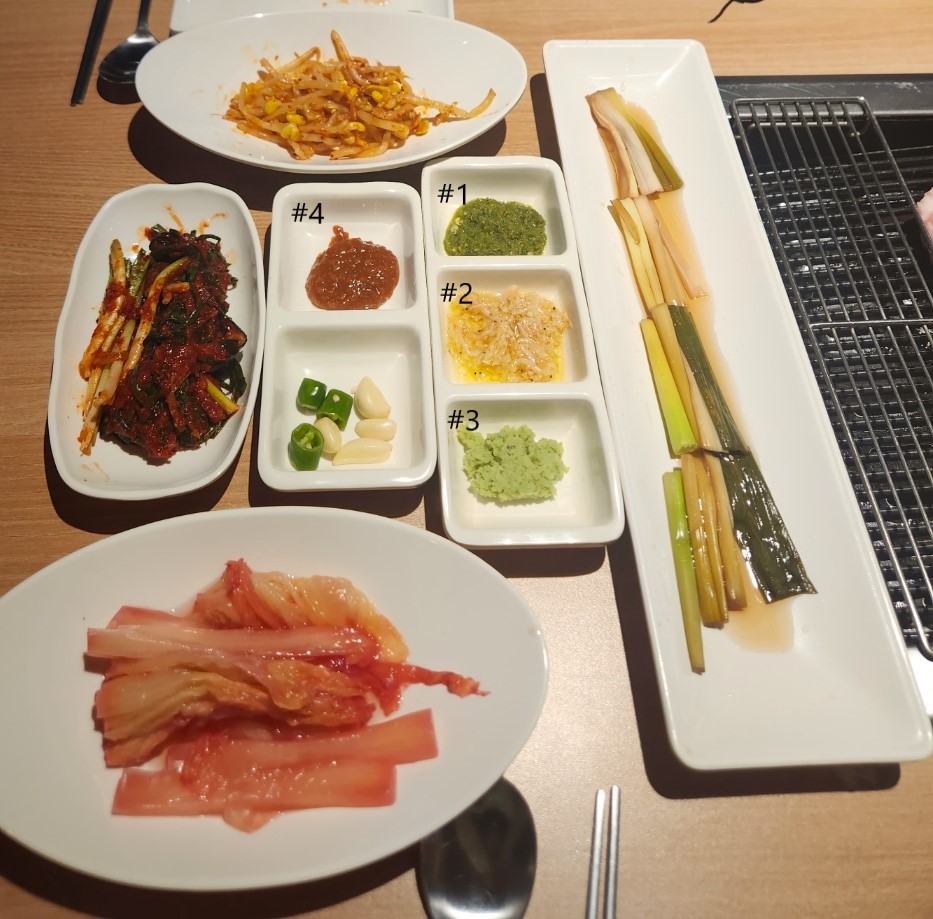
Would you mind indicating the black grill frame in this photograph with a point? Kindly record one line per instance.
(858, 271)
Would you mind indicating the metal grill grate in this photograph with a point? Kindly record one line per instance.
(841, 222)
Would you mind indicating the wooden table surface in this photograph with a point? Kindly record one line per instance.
(845, 841)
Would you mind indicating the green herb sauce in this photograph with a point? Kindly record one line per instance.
(511, 464)
(485, 226)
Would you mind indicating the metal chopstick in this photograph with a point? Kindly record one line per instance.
(610, 884)
(94, 35)
(596, 855)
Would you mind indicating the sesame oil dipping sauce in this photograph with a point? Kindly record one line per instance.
(512, 337)
(761, 626)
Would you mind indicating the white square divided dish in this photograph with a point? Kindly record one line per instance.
(389, 344)
(567, 406)
(110, 471)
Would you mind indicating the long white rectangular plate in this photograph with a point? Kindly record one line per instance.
(841, 691)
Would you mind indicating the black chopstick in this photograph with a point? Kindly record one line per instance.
(94, 35)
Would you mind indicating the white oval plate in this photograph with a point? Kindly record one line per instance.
(455, 612)
(186, 81)
(189, 14)
(109, 471)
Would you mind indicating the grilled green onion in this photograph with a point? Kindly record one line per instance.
(773, 559)
(726, 431)
(636, 153)
(680, 434)
(705, 550)
(683, 566)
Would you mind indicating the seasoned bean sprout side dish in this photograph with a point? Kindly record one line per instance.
(341, 108)
(260, 699)
(162, 366)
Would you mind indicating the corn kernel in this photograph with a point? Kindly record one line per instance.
(294, 118)
(271, 106)
(356, 126)
(290, 132)
(421, 128)
(377, 96)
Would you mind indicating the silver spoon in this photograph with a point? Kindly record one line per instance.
(119, 66)
(482, 863)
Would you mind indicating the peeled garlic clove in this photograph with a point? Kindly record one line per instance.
(377, 428)
(333, 439)
(369, 400)
(362, 450)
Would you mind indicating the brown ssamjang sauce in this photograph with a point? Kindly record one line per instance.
(352, 274)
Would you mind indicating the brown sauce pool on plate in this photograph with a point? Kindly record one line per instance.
(352, 274)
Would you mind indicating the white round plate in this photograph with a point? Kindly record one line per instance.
(187, 81)
(455, 612)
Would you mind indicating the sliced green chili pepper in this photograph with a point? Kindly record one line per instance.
(305, 447)
(336, 406)
(310, 394)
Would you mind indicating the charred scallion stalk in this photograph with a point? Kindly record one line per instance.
(680, 436)
(760, 529)
(683, 258)
(672, 288)
(733, 564)
(683, 566)
(628, 220)
(705, 552)
(641, 164)
(702, 375)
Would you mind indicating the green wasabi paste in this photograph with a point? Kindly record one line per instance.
(485, 226)
(511, 465)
